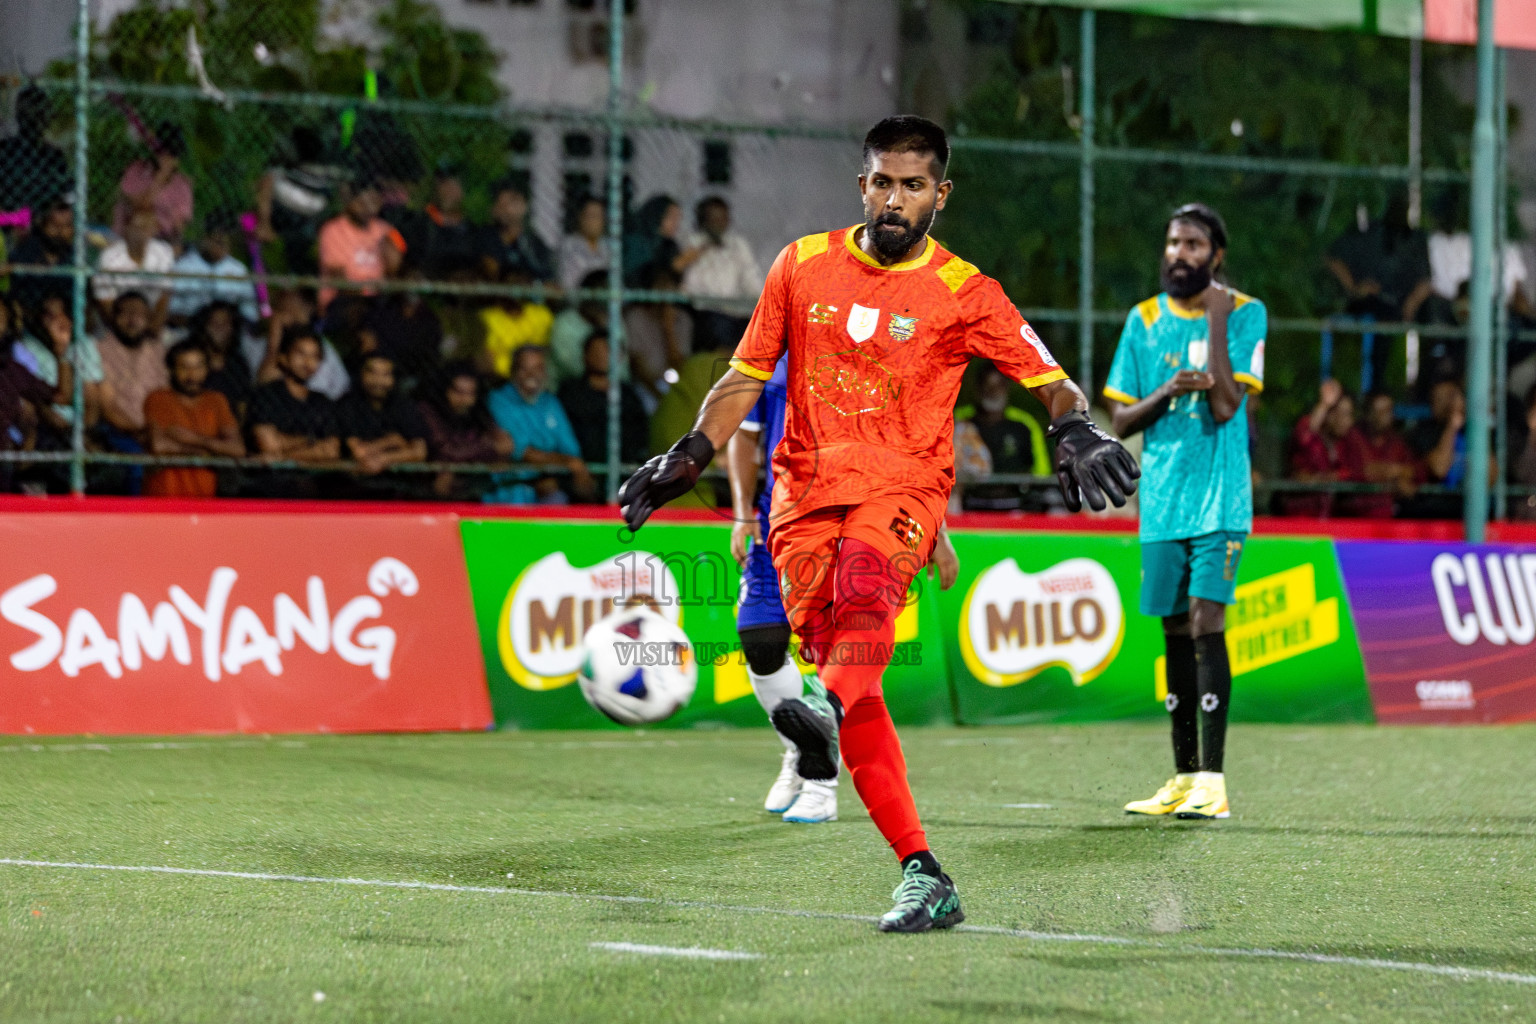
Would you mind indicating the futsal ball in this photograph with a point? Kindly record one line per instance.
(637, 667)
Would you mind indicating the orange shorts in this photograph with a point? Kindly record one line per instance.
(821, 580)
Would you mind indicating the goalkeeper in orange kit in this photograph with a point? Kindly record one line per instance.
(880, 322)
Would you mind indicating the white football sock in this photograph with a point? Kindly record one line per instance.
(780, 685)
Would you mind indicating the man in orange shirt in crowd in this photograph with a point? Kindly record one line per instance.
(186, 419)
(359, 245)
(880, 322)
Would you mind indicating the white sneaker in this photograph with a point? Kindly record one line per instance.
(786, 787)
(816, 803)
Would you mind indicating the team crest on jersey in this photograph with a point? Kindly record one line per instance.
(862, 322)
(820, 313)
(901, 328)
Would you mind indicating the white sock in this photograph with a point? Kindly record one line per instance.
(780, 685)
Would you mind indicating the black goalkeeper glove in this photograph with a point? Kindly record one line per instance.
(1090, 464)
(665, 477)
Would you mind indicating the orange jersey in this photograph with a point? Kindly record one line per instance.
(876, 355)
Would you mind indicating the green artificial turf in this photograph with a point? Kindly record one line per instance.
(1411, 845)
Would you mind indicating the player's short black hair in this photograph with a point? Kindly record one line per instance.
(1207, 219)
(908, 133)
(295, 334)
(180, 349)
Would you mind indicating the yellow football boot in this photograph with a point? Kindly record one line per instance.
(1206, 799)
(1166, 799)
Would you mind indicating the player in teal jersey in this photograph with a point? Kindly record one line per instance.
(1186, 363)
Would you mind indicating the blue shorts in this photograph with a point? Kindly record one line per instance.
(760, 603)
(1173, 571)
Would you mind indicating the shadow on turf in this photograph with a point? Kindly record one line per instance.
(1009, 1009)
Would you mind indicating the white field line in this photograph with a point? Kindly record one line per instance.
(1445, 970)
(1031, 807)
(690, 952)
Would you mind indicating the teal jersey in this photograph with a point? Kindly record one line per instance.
(1195, 473)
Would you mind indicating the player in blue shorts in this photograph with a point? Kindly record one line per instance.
(1186, 363)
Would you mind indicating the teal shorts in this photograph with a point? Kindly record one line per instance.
(1173, 571)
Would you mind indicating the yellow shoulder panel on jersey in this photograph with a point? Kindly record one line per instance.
(1239, 300)
(1149, 310)
(811, 245)
(956, 272)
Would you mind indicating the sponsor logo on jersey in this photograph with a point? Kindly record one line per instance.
(820, 313)
(901, 328)
(862, 322)
(1028, 334)
(1015, 625)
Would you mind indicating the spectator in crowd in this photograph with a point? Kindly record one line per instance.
(1383, 269)
(541, 435)
(573, 326)
(134, 262)
(1014, 440)
(1440, 442)
(1326, 447)
(289, 420)
(659, 336)
(156, 183)
(585, 400)
(513, 323)
(358, 245)
(189, 419)
(293, 196)
(379, 426)
(217, 329)
(49, 245)
(36, 350)
(973, 462)
(724, 280)
(21, 393)
(211, 257)
(1388, 459)
(586, 248)
(448, 244)
(295, 307)
(1450, 264)
(405, 327)
(33, 171)
(133, 367)
(460, 428)
(1523, 471)
(508, 243)
(653, 242)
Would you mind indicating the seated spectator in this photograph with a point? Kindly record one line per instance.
(573, 326)
(379, 426)
(541, 435)
(1440, 442)
(507, 243)
(188, 419)
(511, 324)
(36, 351)
(1388, 459)
(133, 367)
(157, 184)
(359, 245)
(1326, 447)
(135, 262)
(1523, 469)
(292, 197)
(33, 171)
(585, 400)
(1014, 439)
(290, 421)
(50, 244)
(653, 242)
(448, 244)
(405, 327)
(1383, 269)
(724, 280)
(460, 428)
(585, 249)
(659, 336)
(217, 329)
(296, 308)
(211, 257)
(22, 394)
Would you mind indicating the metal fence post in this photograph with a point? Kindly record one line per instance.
(81, 265)
(616, 344)
(1480, 344)
(1085, 212)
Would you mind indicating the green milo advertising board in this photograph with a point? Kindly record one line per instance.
(537, 586)
(1047, 627)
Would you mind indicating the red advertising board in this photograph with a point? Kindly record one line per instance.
(174, 623)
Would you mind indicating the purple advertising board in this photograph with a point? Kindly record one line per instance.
(1446, 629)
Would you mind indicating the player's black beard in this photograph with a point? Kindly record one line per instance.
(1183, 281)
(895, 244)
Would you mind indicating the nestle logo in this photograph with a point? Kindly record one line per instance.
(1444, 693)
